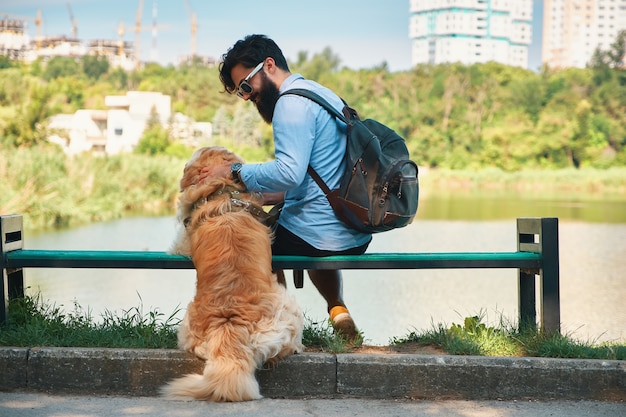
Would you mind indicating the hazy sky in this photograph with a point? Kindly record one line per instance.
(363, 33)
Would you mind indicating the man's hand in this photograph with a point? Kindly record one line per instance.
(223, 171)
(218, 171)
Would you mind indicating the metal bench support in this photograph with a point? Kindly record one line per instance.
(12, 278)
(540, 236)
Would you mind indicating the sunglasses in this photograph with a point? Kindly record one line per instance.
(244, 86)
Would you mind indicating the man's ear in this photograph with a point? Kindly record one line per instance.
(270, 65)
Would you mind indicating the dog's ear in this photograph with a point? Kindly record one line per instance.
(205, 172)
(190, 177)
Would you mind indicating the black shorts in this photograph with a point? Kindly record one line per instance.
(286, 243)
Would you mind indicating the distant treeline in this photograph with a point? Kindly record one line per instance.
(453, 116)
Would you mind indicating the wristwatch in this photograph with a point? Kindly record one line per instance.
(235, 170)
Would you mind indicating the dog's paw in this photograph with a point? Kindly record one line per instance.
(271, 363)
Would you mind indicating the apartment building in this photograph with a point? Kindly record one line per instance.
(573, 29)
(471, 31)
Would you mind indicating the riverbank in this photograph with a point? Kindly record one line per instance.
(54, 191)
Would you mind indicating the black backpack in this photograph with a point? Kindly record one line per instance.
(379, 190)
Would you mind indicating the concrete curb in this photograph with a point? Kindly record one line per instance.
(141, 372)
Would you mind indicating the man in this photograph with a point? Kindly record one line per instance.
(304, 133)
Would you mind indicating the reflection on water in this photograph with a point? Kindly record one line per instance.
(504, 206)
(385, 303)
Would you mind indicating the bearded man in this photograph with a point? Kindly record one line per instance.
(255, 69)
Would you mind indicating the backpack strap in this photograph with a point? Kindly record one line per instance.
(320, 182)
(330, 109)
(319, 100)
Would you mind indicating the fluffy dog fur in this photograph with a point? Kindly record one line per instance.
(240, 317)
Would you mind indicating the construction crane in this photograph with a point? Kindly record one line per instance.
(138, 33)
(121, 31)
(74, 24)
(38, 22)
(194, 27)
(120, 44)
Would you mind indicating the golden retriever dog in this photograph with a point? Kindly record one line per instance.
(241, 317)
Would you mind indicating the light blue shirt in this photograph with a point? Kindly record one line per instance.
(305, 133)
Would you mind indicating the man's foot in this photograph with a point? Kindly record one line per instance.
(343, 324)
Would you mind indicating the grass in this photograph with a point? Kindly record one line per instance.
(53, 191)
(320, 335)
(605, 184)
(473, 337)
(33, 322)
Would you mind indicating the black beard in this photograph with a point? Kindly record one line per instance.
(268, 96)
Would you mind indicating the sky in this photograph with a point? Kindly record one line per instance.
(363, 33)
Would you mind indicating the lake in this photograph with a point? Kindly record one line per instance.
(386, 304)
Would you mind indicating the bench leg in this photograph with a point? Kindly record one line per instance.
(12, 280)
(540, 236)
(550, 298)
(527, 301)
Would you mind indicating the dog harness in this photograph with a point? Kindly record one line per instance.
(237, 203)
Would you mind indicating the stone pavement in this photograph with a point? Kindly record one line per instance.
(141, 372)
(18, 404)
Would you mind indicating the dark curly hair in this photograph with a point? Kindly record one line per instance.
(249, 51)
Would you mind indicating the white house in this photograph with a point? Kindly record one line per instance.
(80, 132)
(128, 116)
(121, 126)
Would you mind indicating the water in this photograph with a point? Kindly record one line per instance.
(384, 303)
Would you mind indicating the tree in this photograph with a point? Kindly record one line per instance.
(155, 138)
(246, 123)
(617, 52)
(529, 95)
(118, 79)
(581, 134)
(60, 67)
(5, 62)
(603, 62)
(455, 86)
(320, 65)
(94, 66)
(28, 128)
(13, 87)
(222, 122)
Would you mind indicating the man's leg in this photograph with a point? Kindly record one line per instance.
(280, 277)
(329, 284)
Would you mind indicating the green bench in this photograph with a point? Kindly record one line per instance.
(537, 255)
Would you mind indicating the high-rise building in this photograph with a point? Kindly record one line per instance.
(573, 29)
(471, 31)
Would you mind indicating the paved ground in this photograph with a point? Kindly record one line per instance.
(16, 404)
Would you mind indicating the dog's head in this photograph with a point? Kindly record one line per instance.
(198, 183)
(197, 170)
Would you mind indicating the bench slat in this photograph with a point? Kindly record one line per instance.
(34, 258)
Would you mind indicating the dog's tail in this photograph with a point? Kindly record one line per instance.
(228, 369)
(222, 380)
